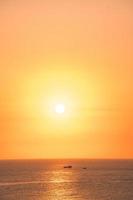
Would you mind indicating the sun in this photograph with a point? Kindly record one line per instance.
(60, 108)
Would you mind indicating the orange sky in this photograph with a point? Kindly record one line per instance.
(79, 53)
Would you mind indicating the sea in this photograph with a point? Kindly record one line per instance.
(49, 180)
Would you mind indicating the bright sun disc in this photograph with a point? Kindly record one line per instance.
(60, 108)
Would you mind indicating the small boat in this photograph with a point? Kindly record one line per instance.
(69, 166)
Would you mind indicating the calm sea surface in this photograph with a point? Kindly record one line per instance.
(49, 180)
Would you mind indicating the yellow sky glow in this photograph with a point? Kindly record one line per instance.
(75, 53)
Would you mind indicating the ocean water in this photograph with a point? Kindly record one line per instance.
(49, 180)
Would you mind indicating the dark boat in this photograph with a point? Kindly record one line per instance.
(69, 166)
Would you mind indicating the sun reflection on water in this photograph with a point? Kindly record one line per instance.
(60, 185)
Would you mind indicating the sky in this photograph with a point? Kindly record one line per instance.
(74, 52)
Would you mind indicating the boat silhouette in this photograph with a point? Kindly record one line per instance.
(68, 166)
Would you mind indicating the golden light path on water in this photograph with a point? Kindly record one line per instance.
(61, 185)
